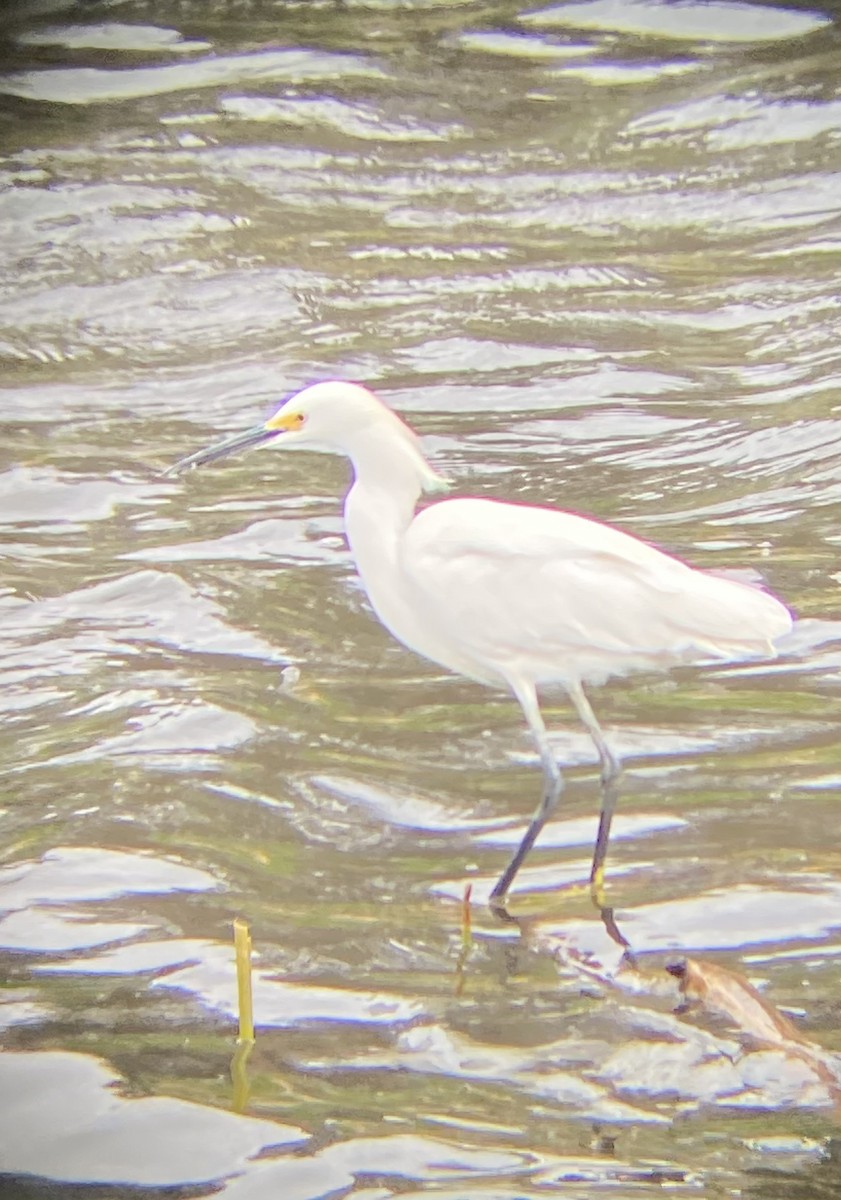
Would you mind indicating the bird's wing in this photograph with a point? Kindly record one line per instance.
(558, 596)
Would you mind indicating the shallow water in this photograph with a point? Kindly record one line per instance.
(590, 252)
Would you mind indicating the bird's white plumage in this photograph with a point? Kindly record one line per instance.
(553, 596)
(513, 595)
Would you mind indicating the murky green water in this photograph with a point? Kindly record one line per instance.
(590, 252)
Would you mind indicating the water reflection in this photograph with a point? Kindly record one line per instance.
(591, 251)
(70, 1123)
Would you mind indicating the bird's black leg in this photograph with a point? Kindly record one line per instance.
(552, 787)
(610, 771)
(608, 807)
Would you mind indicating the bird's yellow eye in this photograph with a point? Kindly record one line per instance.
(285, 420)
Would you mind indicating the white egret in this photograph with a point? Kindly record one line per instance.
(514, 596)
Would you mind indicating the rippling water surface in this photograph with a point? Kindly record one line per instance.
(590, 252)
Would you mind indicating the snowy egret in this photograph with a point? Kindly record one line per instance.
(514, 596)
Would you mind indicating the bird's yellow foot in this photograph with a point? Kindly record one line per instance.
(597, 888)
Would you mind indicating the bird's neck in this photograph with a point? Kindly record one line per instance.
(389, 476)
(390, 473)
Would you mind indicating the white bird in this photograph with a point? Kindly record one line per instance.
(514, 596)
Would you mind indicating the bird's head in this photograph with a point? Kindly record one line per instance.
(333, 415)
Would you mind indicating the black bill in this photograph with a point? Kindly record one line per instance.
(240, 441)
